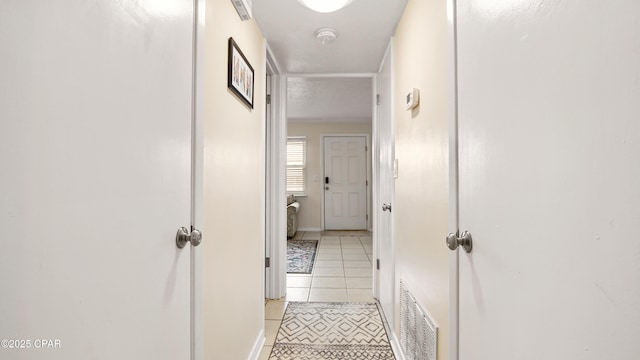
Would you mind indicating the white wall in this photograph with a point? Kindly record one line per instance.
(310, 215)
(234, 192)
(421, 139)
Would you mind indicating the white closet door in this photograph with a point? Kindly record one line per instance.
(549, 176)
(95, 150)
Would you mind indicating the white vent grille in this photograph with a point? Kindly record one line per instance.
(243, 7)
(418, 331)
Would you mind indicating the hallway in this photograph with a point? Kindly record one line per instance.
(141, 190)
(342, 270)
(342, 273)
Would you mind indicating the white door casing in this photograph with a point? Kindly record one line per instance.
(345, 194)
(197, 176)
(452, 118)
(269, 222)
(384, 187)
(276, 189)
(95, 140)
(549, 167)
(276, 185)
(276, 130)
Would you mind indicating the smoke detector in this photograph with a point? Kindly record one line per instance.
(326, 35)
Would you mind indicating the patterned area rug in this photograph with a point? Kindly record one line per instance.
(301, 255)
(313, 331)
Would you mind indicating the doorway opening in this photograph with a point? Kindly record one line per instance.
(344, 259)
(332, 112)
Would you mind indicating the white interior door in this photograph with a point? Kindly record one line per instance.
(385, 185)
(548, 178)
(345, 194)
(95, 147)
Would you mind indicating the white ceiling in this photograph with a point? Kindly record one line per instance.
(364, 28)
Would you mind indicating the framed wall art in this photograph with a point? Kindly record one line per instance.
(240, 77)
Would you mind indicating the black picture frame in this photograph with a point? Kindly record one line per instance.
(240, 77)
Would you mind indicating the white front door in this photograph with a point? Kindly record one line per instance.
(549, 174)
(345, 194)
(95, 151)
(385, 185)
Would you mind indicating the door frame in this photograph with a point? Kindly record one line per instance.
(368, 162)
(453, 226)
(198, 99)
(388, 56)
(275, 182)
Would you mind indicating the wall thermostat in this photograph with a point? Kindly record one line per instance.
(412, 99)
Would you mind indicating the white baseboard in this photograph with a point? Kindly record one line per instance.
(257, 346)
(309, 229)
(395, 346)
(391, 335)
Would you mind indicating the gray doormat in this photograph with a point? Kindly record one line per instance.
(314, 331)
(301, 255)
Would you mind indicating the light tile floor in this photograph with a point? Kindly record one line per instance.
(342, 272)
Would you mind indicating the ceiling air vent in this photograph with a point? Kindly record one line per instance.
(243, 7)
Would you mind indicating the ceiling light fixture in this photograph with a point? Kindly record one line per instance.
(325, 6)
(326, 35)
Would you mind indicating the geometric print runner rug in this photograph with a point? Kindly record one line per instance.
(315, 330)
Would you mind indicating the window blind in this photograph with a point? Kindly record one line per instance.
(296, 163)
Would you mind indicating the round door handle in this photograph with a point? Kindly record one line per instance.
(184, 236)
(453, 241)
(386, 207)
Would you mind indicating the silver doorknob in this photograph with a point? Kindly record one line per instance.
(386, 207)
(184, 236)
(453, 241)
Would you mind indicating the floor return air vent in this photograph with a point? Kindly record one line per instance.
(418, 331)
